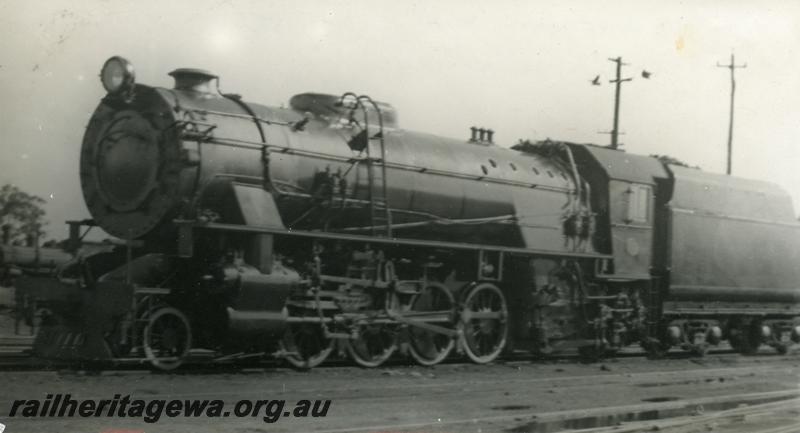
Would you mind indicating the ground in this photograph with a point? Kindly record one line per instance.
(520, 396)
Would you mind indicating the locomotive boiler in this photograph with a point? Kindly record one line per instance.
(296, 232)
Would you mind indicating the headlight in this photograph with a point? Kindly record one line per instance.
(117, 75)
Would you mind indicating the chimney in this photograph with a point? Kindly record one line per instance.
(474, 137)
(482, 133)
(193, 80)
(489, 134)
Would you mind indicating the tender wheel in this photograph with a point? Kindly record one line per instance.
(167, 338)
(699, 346)
(484, 321)
(375, 344)
(429, 347)
(699, 350)
(747, 339)
(655, 348)
(306, 345)
(782, 340)
(590, 354)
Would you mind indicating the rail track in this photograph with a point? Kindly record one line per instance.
(659, 416)
(15, 353)
(713, 414)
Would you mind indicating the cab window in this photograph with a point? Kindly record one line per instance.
(639, 203)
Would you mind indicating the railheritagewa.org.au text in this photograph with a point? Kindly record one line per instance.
(152, 410)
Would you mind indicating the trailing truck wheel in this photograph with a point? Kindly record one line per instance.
(428, 347)
(306, 345)
(485, 324)
(375, 344)
(167, 338)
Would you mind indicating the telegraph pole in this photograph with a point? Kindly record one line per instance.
(732, 66)
(619, 80)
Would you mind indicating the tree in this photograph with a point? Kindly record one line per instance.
(21, 215)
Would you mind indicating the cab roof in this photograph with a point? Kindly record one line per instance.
(619, 165)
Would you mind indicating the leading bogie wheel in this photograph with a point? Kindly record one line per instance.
(375, 344)
(306, 345)
(484, 320)
(167, 338)
(429, 347)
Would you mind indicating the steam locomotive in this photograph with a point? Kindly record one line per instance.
(322, 227)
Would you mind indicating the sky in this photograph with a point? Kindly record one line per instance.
(522, 68)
